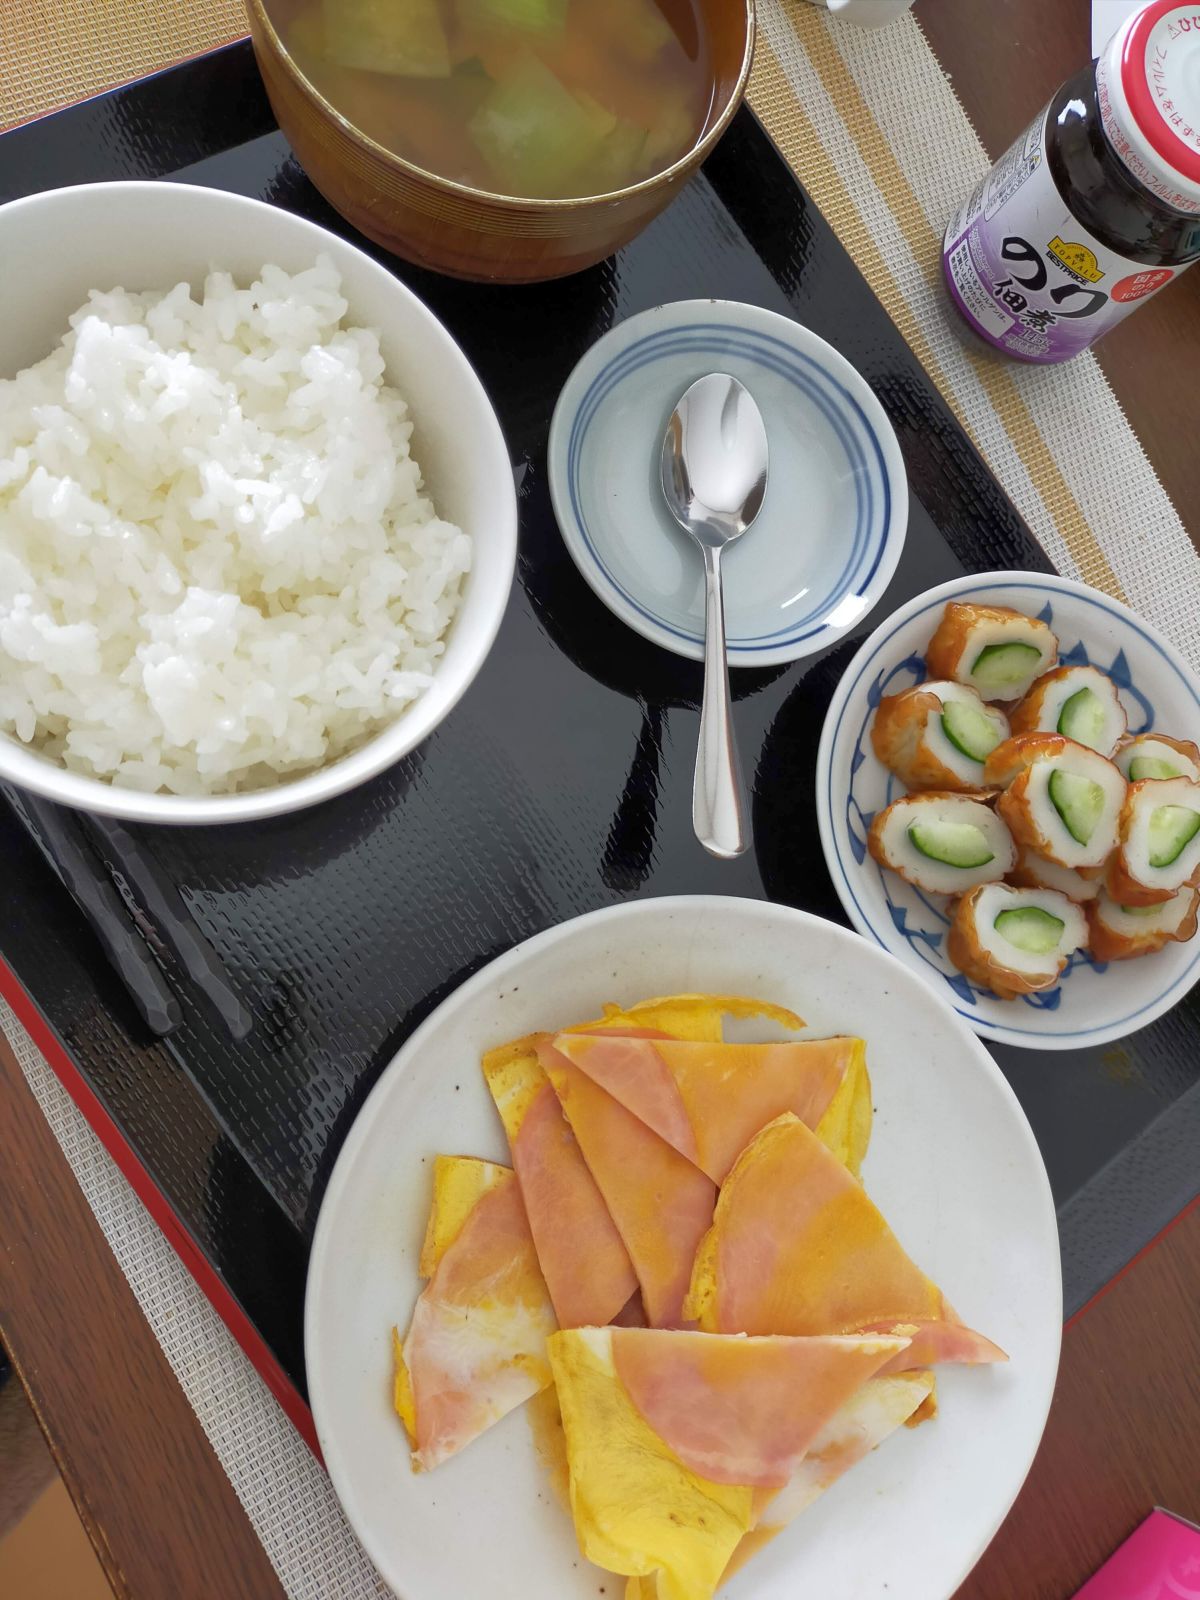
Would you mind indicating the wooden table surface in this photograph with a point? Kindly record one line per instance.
(1126, 1417)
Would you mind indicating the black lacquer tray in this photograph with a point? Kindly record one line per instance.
(561, 783)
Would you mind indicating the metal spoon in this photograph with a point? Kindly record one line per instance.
(714, 475)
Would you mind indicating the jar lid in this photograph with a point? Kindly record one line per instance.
(1148, 86)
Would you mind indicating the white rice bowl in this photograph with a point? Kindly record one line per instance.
(218, 569)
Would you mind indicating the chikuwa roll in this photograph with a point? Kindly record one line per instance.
(1159, 843)
(937, 735)
(1079, 702)
(1059, 798)
(1118, 933)
(1014, 941)
(1035, 872)
(1157, 756)
(996, 651)
(943, 843)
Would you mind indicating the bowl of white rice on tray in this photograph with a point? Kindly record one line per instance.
(257, 518)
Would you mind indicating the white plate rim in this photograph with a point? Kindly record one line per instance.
(737, 314)
(853, 675)
(491, 975)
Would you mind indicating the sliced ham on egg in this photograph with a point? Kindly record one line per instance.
(708, 1100)
(476, 1346)
(797, 1247)
(675, 1440)
(882, 1405)
(660, 1201)
(583, 1260)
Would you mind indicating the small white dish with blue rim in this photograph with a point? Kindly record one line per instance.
(1093, 1003)
(833, 522)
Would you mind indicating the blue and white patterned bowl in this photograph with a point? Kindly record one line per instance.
(1093, 1002)
(827, 540)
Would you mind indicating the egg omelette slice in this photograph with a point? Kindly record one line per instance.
(708, 1099)
(673, 1437)
(476, 1345)
(661, 1202)
(584, 1261)
(797, 1247)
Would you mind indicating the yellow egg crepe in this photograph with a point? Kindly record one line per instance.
(476, 1345)
(797, 1247)
(862, 1424)
(661, 1203)
(665, 1176)
(586, 1266)
(709, 1099)
(691, 1016)
(660, 1427)
(584, 1260)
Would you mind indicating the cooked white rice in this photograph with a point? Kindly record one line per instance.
(217, 564)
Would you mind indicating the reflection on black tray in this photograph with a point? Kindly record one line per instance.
(561, 783)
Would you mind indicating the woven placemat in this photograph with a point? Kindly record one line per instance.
(54, 52)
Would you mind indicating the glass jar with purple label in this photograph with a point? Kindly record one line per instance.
(1096, 207)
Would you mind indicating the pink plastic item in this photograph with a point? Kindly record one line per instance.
(1159, 1561)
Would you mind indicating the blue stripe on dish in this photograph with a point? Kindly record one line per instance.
(971, 1013)
(861, 444)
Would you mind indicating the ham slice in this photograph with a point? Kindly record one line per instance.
(796, 1247)
(708, 1100)
(586, 1266)
(932, 1344)
(641, 1508)
(882, 1405)
(476, 1346)
(740, 1410)
(661, 1203)
(638, 1510)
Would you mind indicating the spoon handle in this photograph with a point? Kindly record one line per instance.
(718, 801)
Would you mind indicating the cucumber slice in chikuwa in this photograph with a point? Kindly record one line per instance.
(1031, 929)
(1143, 767)
(1082, 717)
(1000, 666)
(1139, 911)
(1079, 802)
(972, 734)
(1172, 829)
(956, 844)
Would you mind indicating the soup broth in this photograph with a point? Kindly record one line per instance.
(539, 99)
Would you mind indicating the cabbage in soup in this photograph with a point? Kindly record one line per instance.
(543, 99)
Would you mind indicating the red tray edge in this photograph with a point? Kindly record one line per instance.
(156, 1203)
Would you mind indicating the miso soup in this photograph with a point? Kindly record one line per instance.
(541, 99)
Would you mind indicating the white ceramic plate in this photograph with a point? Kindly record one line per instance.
(823, 548)
(953, 1164)
(1092, 1003)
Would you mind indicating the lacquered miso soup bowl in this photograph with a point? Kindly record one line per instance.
(468, 232)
